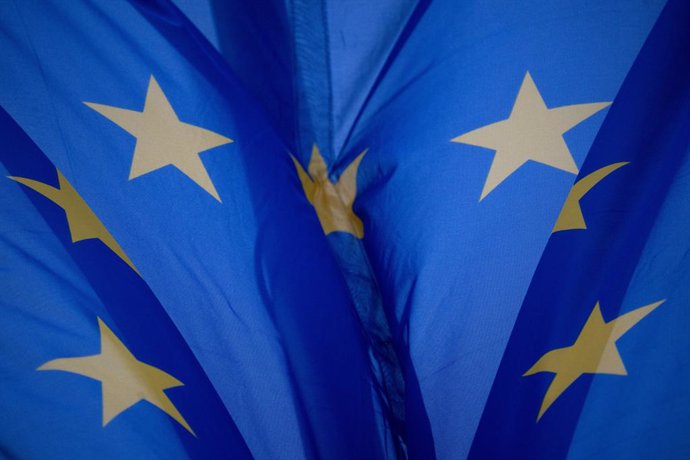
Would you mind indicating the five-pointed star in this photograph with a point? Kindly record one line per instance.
(532, 132)
(83, 223)
(162, 139)
(594, 352)
(333, 202)
(124, 380)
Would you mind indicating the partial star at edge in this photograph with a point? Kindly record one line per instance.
(531, 132)
(332, 202)
(83, 223)
(124, 380)
(162, 139)
(571, 217)
(594, 352)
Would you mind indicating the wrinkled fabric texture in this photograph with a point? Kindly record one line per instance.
(386, 298)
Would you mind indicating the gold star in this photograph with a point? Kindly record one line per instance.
(162, 139)
(594, 352)
(83, 223)
(333, 202)
(571, 217)
(532, 132)
(124, 380)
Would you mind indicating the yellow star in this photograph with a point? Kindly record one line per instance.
(571, 217)
(333, 202)
(83, 223)
(162, 139)
(594, 352)
(124, 380)
(532, 132)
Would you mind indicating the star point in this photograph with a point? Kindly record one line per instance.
(532, 132)
(82, 221)
(124, 380)
(162, 139)
(571, 217)
(594, 352)
(332, 202)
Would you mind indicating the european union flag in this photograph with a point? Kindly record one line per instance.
(476, 123)
(163, 168)
(610, 295)
(393, 229)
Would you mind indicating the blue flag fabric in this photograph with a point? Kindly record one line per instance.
(632, 254)
(453, 242)
(56, 293)
(457, 203)
(291, 229)
(104, 89)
